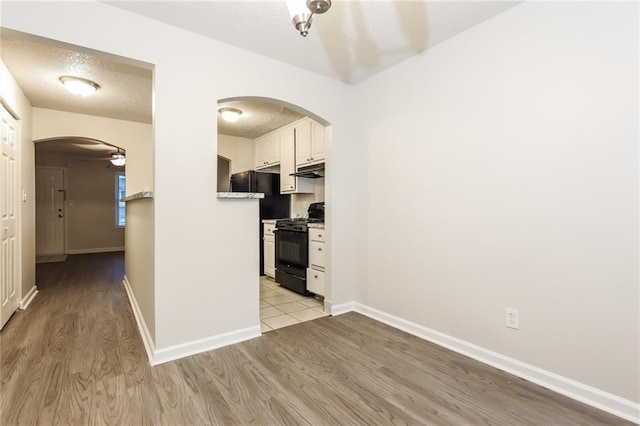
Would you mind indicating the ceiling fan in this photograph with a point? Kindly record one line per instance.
(116, 159)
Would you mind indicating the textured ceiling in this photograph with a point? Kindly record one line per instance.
(352, 41)
(125, 90)
(258, 118)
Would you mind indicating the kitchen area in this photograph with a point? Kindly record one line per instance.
(278, 154)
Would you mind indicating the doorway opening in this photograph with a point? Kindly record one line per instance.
(278, 149)
(79, 192)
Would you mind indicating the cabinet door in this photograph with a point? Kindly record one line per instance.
(270, 257)
(272, 148)
(316, 255)
(317, 142)
(315, 282)
(259, 159)
(303, 142)
(287, 161)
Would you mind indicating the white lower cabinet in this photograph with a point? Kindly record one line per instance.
(315, 281)
(315, 272)
(269, 250)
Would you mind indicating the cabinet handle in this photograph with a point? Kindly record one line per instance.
(319, 248)
(319, 235)
(315, 276)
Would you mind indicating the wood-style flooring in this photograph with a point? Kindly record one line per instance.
(75, 357)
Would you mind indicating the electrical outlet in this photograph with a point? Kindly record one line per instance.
(512, 319)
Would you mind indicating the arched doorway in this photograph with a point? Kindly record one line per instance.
(277, 148)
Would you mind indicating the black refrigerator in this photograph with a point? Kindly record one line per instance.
(273, 206)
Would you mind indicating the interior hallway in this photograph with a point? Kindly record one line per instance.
(75, 357)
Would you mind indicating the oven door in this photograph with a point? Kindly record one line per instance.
(292, 251)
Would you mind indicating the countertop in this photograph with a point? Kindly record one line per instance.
(240, 195)
(315, 225)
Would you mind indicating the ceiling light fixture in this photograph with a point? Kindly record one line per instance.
(302, 12)
(118, 158)
(230, 114)
(79, 86)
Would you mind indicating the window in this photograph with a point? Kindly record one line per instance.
(120, 194)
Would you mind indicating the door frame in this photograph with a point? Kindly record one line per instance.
(64, 204)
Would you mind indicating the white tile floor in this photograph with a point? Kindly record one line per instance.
(280, 307)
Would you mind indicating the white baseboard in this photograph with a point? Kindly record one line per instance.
(26, 301)
(142, 326)
(95, 250)
(589, 395)
(171, 353)
(343, 308)
(203, 345)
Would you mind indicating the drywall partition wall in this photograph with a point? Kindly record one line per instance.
(137, 139)
(517, 143)
(14, 98)
(202, 288)
(240, 151)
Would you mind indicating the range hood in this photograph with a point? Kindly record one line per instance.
(313, 171)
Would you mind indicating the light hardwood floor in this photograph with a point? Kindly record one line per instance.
(75, 357)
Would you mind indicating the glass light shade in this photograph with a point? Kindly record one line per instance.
(230, 114)
(118, 160)
(298, 7)
(300, 15)
(79, 86)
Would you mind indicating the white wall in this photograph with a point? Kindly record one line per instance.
(91, 209)
(300, 202)
(241, 152)
(13, 97)
(201, 288)
(514, 179)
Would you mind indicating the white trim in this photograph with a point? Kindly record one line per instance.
(589, 395)
(203, 345)
(142, 326)
(327, 305)
(95, 250)
(343, 308)
(26, 301)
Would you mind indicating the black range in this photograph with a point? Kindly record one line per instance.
(292, 249)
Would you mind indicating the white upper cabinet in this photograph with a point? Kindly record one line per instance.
(309, 142)
(291, 184)
(287, 161)
(267, 150)
(289, 147)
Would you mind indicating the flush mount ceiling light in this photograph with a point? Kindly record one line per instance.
(230, 114)
(79, 86)
(302, 12)
(118, 158)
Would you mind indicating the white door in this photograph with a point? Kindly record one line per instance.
(49, 211)
(8, 217)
